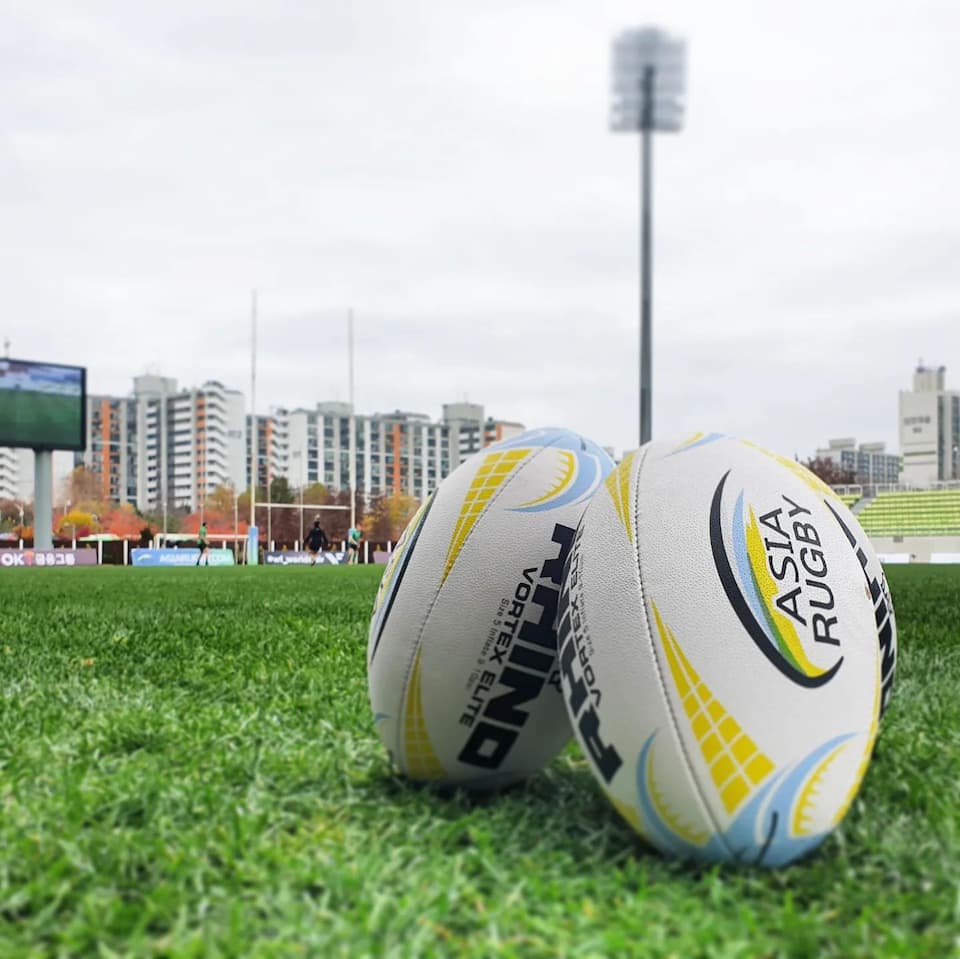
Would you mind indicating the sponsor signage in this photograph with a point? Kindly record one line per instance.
(180, 557)
(276, 557)
(10, 558)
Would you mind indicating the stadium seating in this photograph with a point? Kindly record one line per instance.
(849, 498)
(913, 513)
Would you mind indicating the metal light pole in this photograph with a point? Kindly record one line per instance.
(649, 80)
(254, 437)
(352, 444)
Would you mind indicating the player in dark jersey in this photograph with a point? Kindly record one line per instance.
(316, 542)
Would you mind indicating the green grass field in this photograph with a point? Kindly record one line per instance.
(188, 767)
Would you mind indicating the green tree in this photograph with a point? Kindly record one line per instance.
(280, 491)
(10, 515)
(316, 494)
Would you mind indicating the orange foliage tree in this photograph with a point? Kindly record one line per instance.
(125, 522)
(388, 517)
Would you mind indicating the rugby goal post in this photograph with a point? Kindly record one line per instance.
(303, 508)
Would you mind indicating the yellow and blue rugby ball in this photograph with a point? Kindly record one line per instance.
(727, 644)
(462, 656)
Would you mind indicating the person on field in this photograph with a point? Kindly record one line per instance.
(353, 545)
(316, 542)
(204, 545)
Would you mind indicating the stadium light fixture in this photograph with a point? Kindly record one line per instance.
(648, 88)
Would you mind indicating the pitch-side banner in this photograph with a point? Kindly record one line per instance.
(11, 558)
(180, 557)
(276, 557)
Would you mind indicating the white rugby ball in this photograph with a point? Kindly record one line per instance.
(721, 650)
(879, 592)
(461, 659)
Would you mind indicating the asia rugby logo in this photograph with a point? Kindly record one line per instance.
(775, 575)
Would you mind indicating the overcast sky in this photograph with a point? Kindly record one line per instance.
(446, 170)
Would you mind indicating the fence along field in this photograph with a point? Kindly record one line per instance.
(188, 767)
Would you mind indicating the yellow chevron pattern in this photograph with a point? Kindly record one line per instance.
(565, 475)
(618, 485)
(629, 813)
(422, 761)
(800, 822)
(495, 470)
(683, 829)
(735, 761)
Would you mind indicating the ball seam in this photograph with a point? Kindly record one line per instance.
(691, 772)
(436, 596)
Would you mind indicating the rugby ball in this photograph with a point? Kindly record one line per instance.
(461, 659)
(721, 633)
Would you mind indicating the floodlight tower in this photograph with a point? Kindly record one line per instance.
(649, 82)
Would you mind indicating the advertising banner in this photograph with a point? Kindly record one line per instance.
(11, 558)
(180, 557)
(276, 557)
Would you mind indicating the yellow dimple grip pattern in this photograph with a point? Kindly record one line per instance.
(422, 761)
(735, 761)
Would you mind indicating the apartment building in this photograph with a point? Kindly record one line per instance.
(869, 463)
(929, 421)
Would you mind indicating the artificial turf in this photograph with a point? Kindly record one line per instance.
(188, 767)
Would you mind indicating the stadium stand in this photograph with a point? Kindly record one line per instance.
(849, 498)
(913, 513)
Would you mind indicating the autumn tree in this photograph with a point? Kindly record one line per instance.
(388, 517)
(78, 522)
(830, 472)
(221, 500)
(124, 521)
(83, 485)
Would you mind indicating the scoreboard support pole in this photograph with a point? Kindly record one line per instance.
(43, 500)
